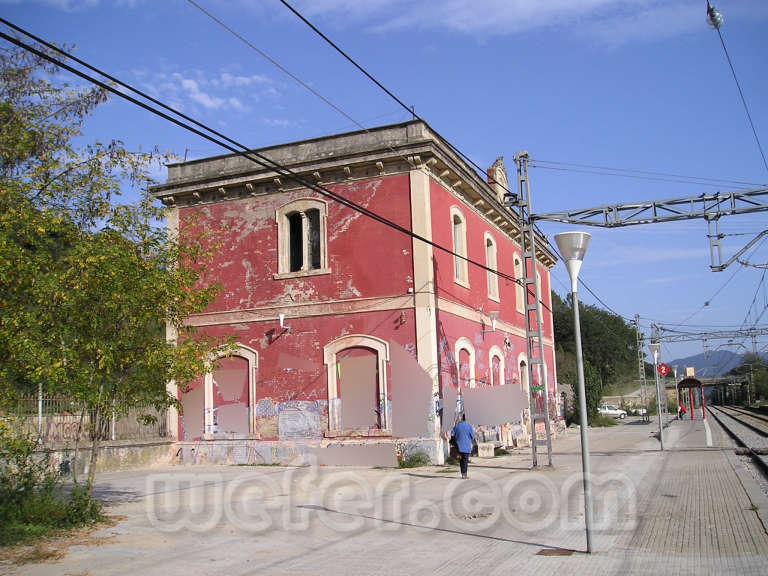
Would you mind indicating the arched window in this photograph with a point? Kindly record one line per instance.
(459, 234)
(301, 232)
(465, 362)
(519, 289)
(496, 366)
(220, 401)
(522, 362)
(490, 262)
(357, 383)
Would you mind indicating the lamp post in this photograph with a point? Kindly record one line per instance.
(572, 247)
(654, 347)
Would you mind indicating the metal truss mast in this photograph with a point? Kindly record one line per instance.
(707, 206)
(538, 390)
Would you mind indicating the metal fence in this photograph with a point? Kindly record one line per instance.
(57, 421)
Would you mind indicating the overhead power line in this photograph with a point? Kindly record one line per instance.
(715, 20)
(388, 92)
(694, 179)
(219, 138)
(634, 176)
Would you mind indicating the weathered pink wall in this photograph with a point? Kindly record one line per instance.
(476, 296)
(366, 258)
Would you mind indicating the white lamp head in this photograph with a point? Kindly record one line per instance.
(494, 317)
(573, 246)
(654, 347)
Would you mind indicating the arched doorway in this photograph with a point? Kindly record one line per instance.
(357, 383)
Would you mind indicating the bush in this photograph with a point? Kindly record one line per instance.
(32, 502)
(414, 460)
(600, 421)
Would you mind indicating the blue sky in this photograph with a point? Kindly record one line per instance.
(636, 84)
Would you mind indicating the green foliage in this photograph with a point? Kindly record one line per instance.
(88, 283)
(409, 458)
(600, 420)
(593, 394)
(32, 502)
(753, 369)
(609, 345)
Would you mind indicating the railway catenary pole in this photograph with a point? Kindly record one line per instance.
(641, 363)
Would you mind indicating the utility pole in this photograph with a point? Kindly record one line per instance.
(655, 346)
(641, 363)
(538, 393)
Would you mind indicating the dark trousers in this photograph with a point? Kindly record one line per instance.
(464, 463)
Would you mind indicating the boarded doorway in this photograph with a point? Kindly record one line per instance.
(358, 388)
(230, 396)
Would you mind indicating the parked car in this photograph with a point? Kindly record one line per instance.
(608, 410)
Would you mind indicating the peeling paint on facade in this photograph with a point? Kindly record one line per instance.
(373, 288)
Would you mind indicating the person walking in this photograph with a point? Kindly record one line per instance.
(464, 436)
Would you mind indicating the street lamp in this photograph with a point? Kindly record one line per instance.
(572, 247)
(654, 347)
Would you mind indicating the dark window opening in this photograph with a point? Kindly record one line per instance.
(296, 241)
(313, 217)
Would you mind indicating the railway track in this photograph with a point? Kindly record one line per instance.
(749, 432)
(754, 421)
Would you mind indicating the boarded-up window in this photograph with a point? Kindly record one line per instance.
(519, 290)
(496, 377)
(459, 247)
(358, 388)
(490, 262)
(230, 395)
(193, 410)
(465, 372)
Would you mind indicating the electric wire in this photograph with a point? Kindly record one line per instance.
(225, 142)
(636, 177)
(359, 67)
(648, 172)
(389, 93)
(760, 285)
(741, 93)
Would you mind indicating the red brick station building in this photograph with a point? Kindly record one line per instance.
(352, 334)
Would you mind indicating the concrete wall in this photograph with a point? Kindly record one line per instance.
(114, 456)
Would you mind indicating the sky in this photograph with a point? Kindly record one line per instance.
(625, 84)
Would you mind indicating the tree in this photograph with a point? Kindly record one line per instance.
(609, 344)
(754, 370)
(87, 282)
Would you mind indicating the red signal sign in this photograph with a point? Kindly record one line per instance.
(663, 369)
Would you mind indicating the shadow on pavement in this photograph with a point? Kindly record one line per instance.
(437, 529)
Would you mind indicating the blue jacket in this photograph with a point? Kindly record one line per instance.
(464, 436)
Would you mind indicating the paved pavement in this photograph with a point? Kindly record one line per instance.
(694, 509)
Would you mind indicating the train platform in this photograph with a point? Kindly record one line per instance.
(697, 508)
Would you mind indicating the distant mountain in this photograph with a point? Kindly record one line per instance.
(708, 364)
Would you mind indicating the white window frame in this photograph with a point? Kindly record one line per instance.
(495, 352)
(252, 356)
(460, 272)
(519, 284)
(491, 261)
(465, 343)
(302, 206)
(330, 352)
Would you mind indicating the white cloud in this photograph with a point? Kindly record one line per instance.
(278, 122)
(193, 90)
(73, 5)
(609, 21)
